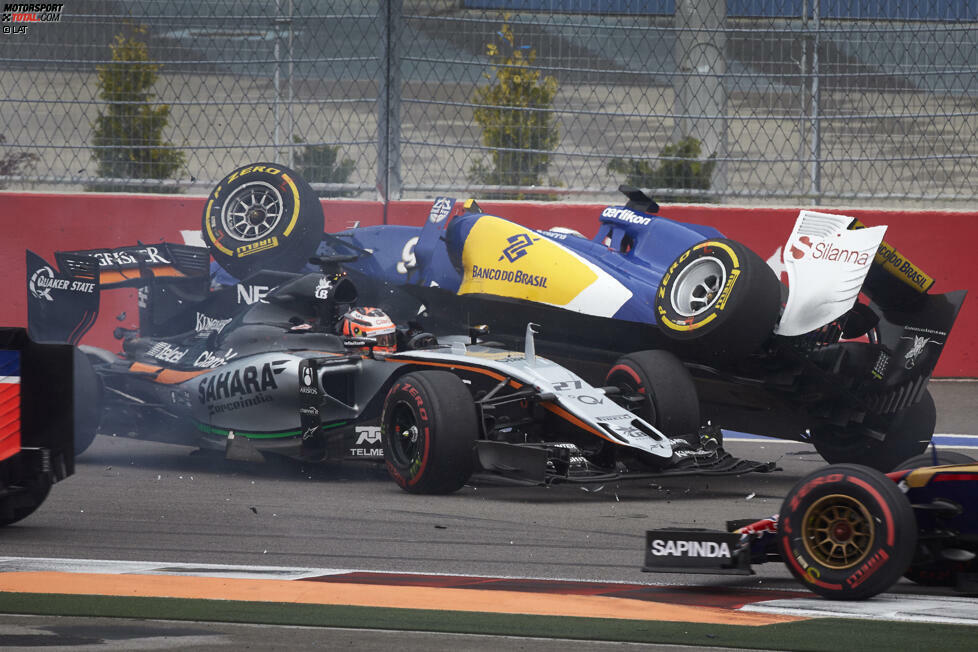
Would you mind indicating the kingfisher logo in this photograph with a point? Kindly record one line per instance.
(518, 244)
(821, 250)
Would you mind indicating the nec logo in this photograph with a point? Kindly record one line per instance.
(518, 245)
(251, 294)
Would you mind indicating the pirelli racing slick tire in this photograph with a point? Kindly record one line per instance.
(720, 298)
(429, 428)
(262, 216)
(656, 386)
(907, 433)
(846, 532)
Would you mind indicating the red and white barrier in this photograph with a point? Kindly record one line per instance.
(935, 240)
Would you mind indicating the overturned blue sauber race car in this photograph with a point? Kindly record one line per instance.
(840, 356)
(691, 327)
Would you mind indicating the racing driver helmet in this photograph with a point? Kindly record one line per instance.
(371, 322)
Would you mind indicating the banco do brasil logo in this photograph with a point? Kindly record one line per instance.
(517, 247)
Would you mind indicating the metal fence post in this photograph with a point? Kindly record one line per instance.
(815, 143)
(701, 98)
(389, 103)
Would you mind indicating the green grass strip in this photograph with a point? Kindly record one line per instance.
(818, 634)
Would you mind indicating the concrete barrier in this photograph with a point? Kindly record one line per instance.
(937, 241)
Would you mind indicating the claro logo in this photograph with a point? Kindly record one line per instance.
(822, 250)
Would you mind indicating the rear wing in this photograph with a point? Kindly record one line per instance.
(63, 299)
(135, 266)
(833, 259)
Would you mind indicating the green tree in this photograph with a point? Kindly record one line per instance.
(680, 166)
(513, 111)
(128, 135)
(322, 164)
(13, 163)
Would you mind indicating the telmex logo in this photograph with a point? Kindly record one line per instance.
(368, 435)
(822, 250)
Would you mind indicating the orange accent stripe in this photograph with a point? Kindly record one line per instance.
(111, 276)
(478, 370)
(440, 599)
(556, 409)
(166, 271)
(143, 368)
(172, 376)
(165, 376)
(567, 416)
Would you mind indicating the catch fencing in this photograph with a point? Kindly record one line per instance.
(760, 101)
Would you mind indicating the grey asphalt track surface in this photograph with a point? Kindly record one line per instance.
(142, 501)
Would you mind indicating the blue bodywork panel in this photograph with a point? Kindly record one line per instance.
(631, 248)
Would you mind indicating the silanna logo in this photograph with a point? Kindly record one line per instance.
(518, 244)
(821, 250)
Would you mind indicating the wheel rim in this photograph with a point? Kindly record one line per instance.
(630, 391)
(838, 531)
(407, 445)
(253, 211)
(698, 286)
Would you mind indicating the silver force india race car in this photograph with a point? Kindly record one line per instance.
(308, 373)
(848, 532)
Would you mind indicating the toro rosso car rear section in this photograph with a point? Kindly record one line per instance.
(841, 356)
(848, 532)
(38, 413)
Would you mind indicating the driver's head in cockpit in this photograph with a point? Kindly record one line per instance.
(373, 323)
